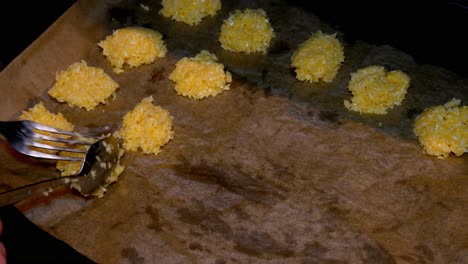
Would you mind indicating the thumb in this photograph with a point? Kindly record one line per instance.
(2, 254)
(2, 247)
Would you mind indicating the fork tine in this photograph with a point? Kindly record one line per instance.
(77, 138)
(47, 146)
(42, 127)
(22, 135)
(85, 138)
(70, 141)
(42, 155)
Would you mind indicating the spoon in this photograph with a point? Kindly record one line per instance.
(96, 173)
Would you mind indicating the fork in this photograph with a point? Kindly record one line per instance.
(99, 159)
(25, 135)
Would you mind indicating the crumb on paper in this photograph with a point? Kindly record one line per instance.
(133, 46)
(146, 127)
(318, 58)
(246, 31)
(84, 86)
(100, 192)
(145, 7)
(374, 90)
(189, 11)
(46, 192)
(200, 76)
(75, 186)
(443, 129)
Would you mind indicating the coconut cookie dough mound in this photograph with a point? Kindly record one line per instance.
(319, 58)
(248, 31)
(146, 127)
(443, 129)
(189, 11)
(83, 86)
(133, 46)
(40, 114)
(200, 76)
(375, 90)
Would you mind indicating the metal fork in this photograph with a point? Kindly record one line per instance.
(96, 173)
(28, 138)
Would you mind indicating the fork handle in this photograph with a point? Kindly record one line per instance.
(39, 188)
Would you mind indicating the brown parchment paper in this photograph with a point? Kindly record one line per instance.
(271, 171)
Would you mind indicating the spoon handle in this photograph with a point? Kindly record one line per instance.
(32, 190)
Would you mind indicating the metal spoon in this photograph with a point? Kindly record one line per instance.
(96, 170)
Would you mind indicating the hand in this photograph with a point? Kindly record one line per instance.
(2, 247)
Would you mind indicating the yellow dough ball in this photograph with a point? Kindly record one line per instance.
(83, 86)
(146, 127)
(375, 90)
(246, 31)
(189, 11)
(318, 58)
(200, 76)
(133, 46)
(443, 129)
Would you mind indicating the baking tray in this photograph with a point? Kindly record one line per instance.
(273, 170)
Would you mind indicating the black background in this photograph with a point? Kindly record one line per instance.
(434, 33)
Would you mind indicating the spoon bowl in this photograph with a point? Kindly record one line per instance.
(97, 171)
